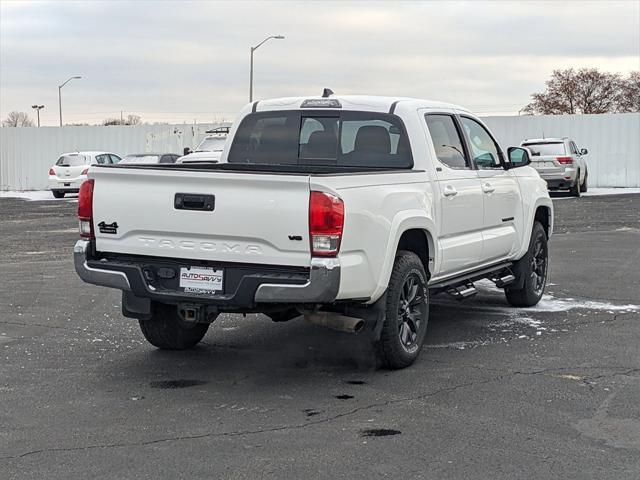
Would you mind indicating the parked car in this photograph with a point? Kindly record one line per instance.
(149, 158)
(560, 163)
(349, 210)
(209, 149)
(70, 170)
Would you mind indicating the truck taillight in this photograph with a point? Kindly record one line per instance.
(565, 160)
(326, 220)
(52, 171)
(85, 210)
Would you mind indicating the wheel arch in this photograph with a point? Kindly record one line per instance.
(410, 230)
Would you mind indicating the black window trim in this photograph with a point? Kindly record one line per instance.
(501, 157)
(456, 122)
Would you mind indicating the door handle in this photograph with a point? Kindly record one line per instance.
(449, 191)
(488, 188)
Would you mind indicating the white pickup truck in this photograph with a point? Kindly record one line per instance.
(348, 210)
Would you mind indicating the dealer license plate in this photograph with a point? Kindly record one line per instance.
(201, 279)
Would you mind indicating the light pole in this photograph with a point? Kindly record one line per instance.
(253, 49)
(37, 109)
(60, 94)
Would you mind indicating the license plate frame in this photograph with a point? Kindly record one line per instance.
(201, 280)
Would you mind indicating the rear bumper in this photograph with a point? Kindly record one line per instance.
(66, 184)
(251, 287)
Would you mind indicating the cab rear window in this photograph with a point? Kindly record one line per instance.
(342, 139)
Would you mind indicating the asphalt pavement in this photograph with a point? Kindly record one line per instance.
(498, 393)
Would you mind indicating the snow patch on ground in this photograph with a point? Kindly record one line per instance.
(549, 303)
(601, 191)
(38, 195)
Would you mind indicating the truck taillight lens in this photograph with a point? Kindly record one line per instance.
(326, 220)
(85, 171)
(565, 160)
(85, 209)
(52, 171)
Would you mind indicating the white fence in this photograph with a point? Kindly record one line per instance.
(613, 141)
(26, 154)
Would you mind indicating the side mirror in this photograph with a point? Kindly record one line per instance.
(186, 151)
(518, 157)
(584, 151)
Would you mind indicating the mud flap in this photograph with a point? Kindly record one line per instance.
(136, 307)
(373, 316)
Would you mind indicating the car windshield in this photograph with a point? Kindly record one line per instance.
(71, 160)
(323, 138)
(211, 145)
(546, 148)
(140, 159)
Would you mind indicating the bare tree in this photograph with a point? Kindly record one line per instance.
(17, 119)
(130, 120)
(629, 100)
(586, 91)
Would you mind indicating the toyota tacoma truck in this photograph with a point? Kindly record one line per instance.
(351, 211)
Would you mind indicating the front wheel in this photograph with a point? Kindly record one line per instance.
(167, 331)
(583, 185)
(407, 313)
(575, 190)
(57, 193)
(531, 271)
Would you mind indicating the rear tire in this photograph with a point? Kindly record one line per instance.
(167, 331)
(576, 189)
(583, 186)
(532, 268)
(57, 193)
(407, 313)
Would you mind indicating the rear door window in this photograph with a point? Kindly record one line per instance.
(446, 141)
(343, 139)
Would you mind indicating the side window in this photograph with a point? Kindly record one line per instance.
(446, 141)
(101, 159)
(574, 149)
(114, 158)
(483, 149)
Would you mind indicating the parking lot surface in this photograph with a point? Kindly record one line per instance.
(547, 392)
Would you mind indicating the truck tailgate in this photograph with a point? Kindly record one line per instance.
(256, 218)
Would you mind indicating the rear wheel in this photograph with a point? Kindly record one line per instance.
(167, 331)
(575, 190)
(57, 193)
(407, 313)
(531, 270)
(583, 186)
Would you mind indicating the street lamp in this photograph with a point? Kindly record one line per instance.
(37, 109)
(253, 49)
(60, 94)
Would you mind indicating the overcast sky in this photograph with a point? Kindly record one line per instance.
(180, 61)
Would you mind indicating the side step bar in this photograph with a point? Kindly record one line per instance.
(462, 287)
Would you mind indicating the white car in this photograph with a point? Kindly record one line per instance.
(560, 163)
(70, 170)
(348, 210)
(209, 149)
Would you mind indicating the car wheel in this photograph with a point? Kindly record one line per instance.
(531, 271)
(167, 331)
(407, 313)
(583, 187)
(57, 193)
(575, 190)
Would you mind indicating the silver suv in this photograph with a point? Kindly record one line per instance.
(560, 163)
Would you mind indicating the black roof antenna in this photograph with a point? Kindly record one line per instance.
(327, 92)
